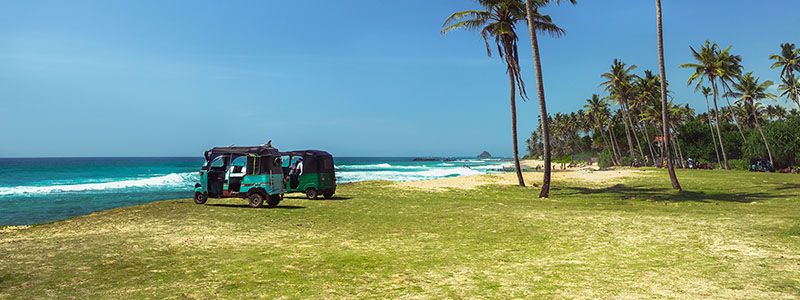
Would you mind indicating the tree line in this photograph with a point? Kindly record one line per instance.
(750, 123)
(497, 21)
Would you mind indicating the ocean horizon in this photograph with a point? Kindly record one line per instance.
(47, 189)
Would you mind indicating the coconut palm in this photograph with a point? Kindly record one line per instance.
(718, 67)
(664, 115)
(788, 60)
(618, 84)
(791, 88)
(750, 93)
(597, 114)
(707, 92)
(544, 24)
(498, 22)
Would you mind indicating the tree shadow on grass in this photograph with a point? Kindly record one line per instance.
(248, 207)
(625, 192)
(789, 186)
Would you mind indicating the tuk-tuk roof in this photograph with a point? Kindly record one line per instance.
(306, 153)
(259, 150)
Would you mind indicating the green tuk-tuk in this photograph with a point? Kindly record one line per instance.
(310, 172)
(251, 173)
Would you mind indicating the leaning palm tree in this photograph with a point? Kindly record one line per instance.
(716, 66)
(707, 92)
(664, 115)
(790, 88)
(618, 84)
(542, 23)
(788, 60)
(750, 93)
(498, 22)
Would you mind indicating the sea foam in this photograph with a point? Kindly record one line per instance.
(164, 181)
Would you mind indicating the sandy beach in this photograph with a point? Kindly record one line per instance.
(583, 174)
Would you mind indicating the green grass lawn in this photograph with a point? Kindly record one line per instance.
(732, 235)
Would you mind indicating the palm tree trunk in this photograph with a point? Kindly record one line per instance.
(719, 133)
(514, 128)
(649, 143)
(664, 111)
(679, 155)
(735, 119)
(716, 151)
(763, 137)
(627, 130)
(636, 136)
(614, 147)
(537, 66)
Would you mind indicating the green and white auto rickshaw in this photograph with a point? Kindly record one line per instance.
(310, 172)
(251, 173)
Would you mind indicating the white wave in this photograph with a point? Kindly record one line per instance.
(169, 180)
(405, 176)
(378, 167)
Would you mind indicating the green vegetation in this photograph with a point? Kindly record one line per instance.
(735, 235)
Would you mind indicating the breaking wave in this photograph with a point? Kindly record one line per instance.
(173, 180)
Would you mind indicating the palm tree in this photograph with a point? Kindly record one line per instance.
(618, 84)
(498, 21)
(707, 92)
(791, 88)
(597, 113)
(648, 89)
(716, 66)
(788, 60)
(544, 24)
(750, 93)
(664, 115)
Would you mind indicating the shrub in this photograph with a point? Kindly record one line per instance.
(605, 161)
(739, 164)
(626, 161)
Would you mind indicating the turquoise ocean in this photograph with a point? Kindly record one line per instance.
(40, 190)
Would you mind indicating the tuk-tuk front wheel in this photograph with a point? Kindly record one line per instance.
(327, 194)
(273, 201)
(255, 200)
(311, 193)
(200, 198)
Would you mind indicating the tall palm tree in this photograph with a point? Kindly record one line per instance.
(664, 115)
(648, 91)
(750, 93)
(597, 111)
(618, 84)
(716, 66)
(788, 60)
(544, 24)
(498, 21)
(707, 92)
(790, 86)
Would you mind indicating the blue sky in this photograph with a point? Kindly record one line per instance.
(357, 78)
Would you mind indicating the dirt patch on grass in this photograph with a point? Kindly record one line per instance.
(584, 175)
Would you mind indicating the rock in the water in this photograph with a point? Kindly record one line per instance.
(484, 154)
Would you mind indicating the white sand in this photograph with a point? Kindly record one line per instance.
(586, 174)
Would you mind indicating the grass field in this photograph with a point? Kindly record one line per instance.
(732, 235)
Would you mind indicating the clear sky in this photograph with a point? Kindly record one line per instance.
(357, 78)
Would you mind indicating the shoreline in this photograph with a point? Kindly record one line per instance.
(464, 182)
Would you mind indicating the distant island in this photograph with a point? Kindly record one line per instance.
(484, 154)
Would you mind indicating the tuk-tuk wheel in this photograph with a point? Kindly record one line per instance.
(311, 193)
(255, 200)
(200, 198)
(273, 201)
(327, 194)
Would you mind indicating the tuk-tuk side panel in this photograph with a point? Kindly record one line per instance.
(316, 181)
(273, 184)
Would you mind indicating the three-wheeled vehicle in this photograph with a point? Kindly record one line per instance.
(251, 173)
(310, 172)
